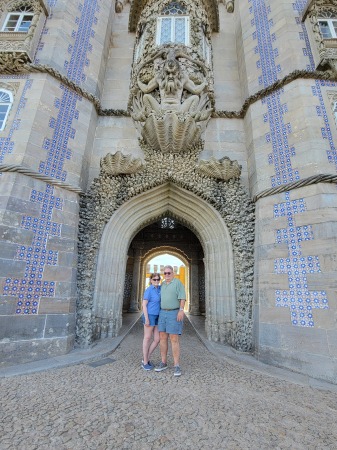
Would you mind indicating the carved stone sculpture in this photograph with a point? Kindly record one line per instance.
(222, 169)
(171, 110)
(119, 164)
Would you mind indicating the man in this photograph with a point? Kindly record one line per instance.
(171, 318)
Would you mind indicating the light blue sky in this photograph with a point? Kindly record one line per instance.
(166, 259)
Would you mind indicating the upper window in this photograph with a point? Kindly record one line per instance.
(6, 100)
(206, 51)
(173, 25)
(328, 28)
(140, 46)
(18, 21)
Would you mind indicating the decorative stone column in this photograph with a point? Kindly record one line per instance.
(194, 287)
(135, 294)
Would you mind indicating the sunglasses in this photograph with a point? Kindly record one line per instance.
(167, 273)
(155, 279)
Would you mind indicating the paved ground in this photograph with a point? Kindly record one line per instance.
(216, 404)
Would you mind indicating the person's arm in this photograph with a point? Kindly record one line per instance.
(146, 315)
(181, 313)
(182, 299)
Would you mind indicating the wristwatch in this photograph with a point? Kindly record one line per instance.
(181, 309)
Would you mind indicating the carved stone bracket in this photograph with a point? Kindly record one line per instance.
(170, 99)
(119, 164)
(13, 62)
(222, 169)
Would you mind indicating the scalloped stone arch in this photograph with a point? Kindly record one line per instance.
(212, 232)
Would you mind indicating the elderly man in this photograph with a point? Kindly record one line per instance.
(171, 318)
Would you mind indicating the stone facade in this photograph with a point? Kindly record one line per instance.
(230, 132)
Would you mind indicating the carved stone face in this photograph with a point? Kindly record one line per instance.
(171, 76)
(171, 69)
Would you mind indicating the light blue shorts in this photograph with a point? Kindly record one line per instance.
(153, 318)
(168, 322)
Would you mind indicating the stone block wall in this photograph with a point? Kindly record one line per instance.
(290, 137)
(48, 138)
(285, 136)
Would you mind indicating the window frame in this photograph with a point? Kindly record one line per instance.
(173, 19)
(9, 107)
(140, 46)
(332, 29)
(206, 49)
(19, 21)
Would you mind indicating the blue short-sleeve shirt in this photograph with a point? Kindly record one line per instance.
(152, 295)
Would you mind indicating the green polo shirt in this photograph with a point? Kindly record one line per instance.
(172, 293)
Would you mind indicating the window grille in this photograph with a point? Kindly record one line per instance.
(167, 222)
(173, 25)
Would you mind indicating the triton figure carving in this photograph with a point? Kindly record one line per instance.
(171, 80)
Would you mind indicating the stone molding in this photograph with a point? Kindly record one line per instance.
(315, 179)
(16, 168)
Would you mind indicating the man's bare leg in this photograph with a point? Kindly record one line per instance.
(163, 346)
(174, 338)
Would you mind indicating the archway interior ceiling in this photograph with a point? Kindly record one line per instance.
(156, 238)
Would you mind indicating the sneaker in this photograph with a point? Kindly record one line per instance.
(162, 366)
(177, 371)
(147, 366)
(142, 364)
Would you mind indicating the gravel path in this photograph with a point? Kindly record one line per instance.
(213, 405)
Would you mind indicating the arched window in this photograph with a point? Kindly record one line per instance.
(6, 100)
(173, 25)
(19, 21)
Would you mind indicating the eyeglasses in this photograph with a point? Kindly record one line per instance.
(167, 273)
(155, 279)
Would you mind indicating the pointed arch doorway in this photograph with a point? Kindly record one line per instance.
(176, 246)
(207, 225)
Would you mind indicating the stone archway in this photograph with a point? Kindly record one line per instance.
(212, 232)
(215, 208)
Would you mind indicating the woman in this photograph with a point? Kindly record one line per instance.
(151, 308)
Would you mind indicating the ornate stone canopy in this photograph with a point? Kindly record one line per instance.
(211, 7)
